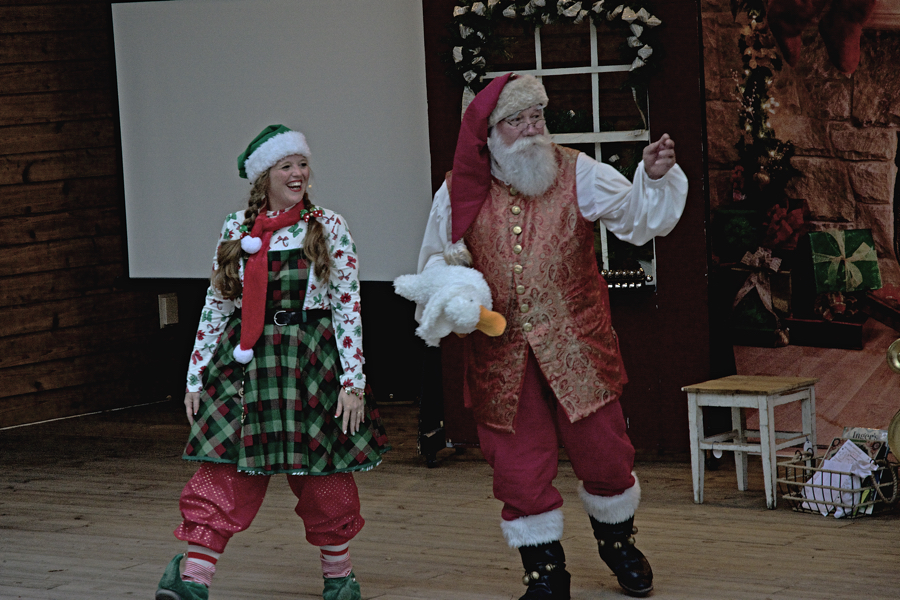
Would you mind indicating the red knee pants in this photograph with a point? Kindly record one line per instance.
(220, 501)
(525, 463)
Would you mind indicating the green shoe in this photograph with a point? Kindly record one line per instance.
(341, 588)
(171, 587)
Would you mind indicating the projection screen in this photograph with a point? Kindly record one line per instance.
(198, 79)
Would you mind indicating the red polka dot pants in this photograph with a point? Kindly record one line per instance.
(220, 501)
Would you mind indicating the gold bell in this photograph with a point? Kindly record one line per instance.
(893, 356)
(617, 545)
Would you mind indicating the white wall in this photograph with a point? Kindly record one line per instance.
(197, 81)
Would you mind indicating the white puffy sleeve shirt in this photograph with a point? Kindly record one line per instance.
(634, 212)
(340, 295)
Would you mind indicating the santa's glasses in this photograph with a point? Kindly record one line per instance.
(520, 122)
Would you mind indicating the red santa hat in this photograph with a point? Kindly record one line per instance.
(504, 96)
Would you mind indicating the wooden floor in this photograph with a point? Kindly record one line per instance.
(88, 505)
(856, 388)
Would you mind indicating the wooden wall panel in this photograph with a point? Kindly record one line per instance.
(64, 254)
(65, 195)
(68, 135)
(76, 312)
(22, 78)
(75, 337)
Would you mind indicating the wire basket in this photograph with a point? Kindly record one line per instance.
(809, 488)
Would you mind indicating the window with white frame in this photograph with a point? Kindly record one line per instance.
(591, 109)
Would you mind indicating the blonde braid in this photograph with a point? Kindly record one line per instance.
(315, 246)
(227, 279)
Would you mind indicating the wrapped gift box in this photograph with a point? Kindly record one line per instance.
(761, 297)
(844, 261)
(779, 287)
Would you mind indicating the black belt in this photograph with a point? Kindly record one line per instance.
(292, 317)
(295, 317)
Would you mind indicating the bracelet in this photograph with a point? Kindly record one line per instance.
(355, 391)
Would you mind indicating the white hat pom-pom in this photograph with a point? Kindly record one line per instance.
(251, 245)
(243, 356)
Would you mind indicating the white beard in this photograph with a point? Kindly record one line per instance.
(528, 164)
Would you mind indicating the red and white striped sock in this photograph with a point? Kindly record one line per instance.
(201, 564)
(335, 560)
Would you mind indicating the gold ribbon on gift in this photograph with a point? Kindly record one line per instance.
(852, 275)
(761, 262)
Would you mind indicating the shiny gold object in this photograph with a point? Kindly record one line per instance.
(513, 191)
(517, 230)
(515, 210)
(517, 248)
(517, 269)
(524, 308)
(893, 356)
(527, 327)
(617, 545)
(894, 434)
(520, 289)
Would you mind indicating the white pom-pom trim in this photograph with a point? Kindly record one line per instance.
(243, 356)
(274, 149)
(251, 245)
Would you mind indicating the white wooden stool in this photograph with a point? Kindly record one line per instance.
(739, 392)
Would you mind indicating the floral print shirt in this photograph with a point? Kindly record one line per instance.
(340, 295)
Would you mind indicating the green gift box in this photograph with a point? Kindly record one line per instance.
(844, 261)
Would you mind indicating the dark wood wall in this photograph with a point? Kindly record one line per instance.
(69, 339)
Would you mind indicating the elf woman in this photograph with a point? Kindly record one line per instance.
(275, 382)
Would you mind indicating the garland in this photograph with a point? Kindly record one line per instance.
(760, 214)
(472, 32)
(764, 169)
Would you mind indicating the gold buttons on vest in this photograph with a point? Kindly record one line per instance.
(524, 308)
(517, 248)
(527, 327)
(517, 230)
(513, 191)
(520, 289)
(515, 210)
(517, 269)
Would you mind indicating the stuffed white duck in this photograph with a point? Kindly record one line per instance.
(455, 299)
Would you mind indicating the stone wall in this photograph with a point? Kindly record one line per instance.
(845, 128)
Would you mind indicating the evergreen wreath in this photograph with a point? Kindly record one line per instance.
(472, 33)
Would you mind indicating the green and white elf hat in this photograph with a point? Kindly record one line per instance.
(271, 145)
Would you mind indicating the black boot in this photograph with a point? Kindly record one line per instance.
(616, 545)
(545, 572)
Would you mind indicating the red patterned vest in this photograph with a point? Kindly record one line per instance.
(537, 255)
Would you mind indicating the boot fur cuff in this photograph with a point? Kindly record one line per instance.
(612, 509)
(534, 529)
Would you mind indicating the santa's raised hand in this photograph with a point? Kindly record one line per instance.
(659, 156)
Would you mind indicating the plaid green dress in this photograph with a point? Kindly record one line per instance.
(276, 414)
